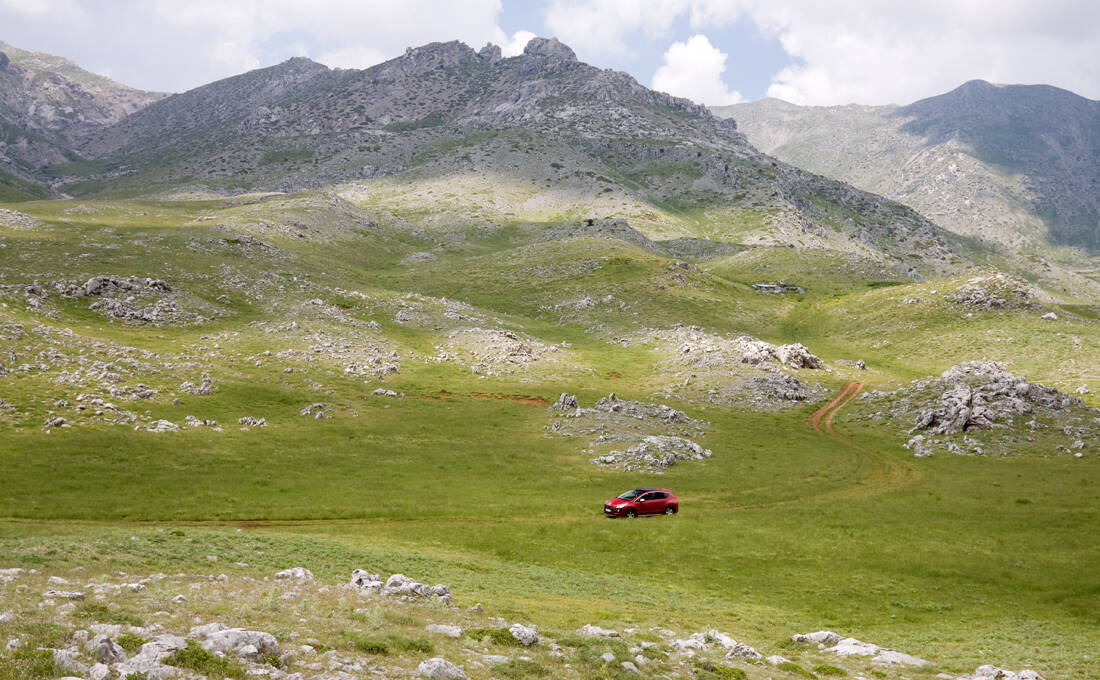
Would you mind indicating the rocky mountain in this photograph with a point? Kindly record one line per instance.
(574, 140)
(1018, 165)
(49, 106)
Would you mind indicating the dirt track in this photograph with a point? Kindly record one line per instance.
(829, 410)
(884, 473)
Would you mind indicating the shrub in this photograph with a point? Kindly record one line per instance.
(195, 658)
(97, 611)
(709, 670)
(130, 642)
(500, 636)
(828, 669)
(391, 644)
(28, 664)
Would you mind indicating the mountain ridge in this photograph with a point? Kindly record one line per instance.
(1016, 164)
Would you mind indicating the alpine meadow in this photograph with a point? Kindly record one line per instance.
(314, 373)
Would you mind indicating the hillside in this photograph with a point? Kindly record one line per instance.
(415, 324)
(48, 107)
(1017, 165)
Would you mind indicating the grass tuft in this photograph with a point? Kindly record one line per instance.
(195, 658)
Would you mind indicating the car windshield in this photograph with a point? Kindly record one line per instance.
(632, 494)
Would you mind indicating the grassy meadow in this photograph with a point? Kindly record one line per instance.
(959, 560)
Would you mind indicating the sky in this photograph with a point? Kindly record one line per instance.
(715, 52)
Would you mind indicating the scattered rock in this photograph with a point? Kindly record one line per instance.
(846, 646)
(976, 396)
(821, 637)
(526, 635)
(317, 411)
(13, 219)
(162, 426)
(449, 631)
(299, 575)
(566, 402)
(595, 631)
(655, 452)
(252, 421)
(439, 669)
(403, 586)
(366, 581)
(63, 595)
(107, 651)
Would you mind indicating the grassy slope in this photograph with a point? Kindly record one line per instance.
(783, 531)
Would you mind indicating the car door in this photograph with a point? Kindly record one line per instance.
(660, 500)
(645, 503)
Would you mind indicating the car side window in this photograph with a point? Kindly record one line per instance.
(645, 497)
(660, 495)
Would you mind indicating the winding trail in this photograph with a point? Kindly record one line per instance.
(885, 474)
(829, 410)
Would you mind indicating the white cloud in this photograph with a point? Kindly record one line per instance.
(601, 27)
(172, 45)
(871, 52)
(514, 46)
(693, 69)
(351, 57)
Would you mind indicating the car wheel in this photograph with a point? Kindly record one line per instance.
(631, 514)
(670, 510)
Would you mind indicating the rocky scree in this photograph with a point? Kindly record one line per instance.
(656, 435)
(948, 412)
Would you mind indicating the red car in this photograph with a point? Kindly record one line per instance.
(642, 502)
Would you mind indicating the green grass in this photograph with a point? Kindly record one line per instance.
(102, 613)
(390, 644)
(517, 669)
(195, 658)
(130, 642)
(28, 664)
(783, 531)
(707, 670)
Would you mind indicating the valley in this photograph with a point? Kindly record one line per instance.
(309, 363)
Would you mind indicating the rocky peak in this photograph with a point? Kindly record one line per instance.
(549, 47)
(436, 55)
(3, 61)
(490, 53)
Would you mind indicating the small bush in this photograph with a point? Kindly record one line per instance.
(400, 643)
(101, 613)
(792, 667)
(500, 636)
(195, 658)
(271, 660)
(391, 644)
(828, 669)
(130, 642)
(517, 669)
(28, 664)
(369, 645)
(137, 675)
(708, 670)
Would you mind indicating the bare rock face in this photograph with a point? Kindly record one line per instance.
(549, 47)
(996, 396)
(983, 400)
(656, 453)
(490, 53)
(438, 668)
(566, 402)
